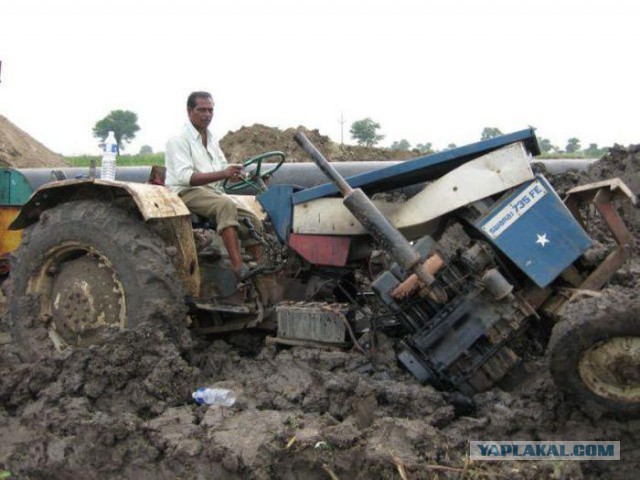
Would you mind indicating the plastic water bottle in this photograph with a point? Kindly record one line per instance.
(214, 396)
(108, 167)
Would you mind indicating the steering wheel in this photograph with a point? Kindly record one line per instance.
(255, 178)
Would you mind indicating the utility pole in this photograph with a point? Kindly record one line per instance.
(341, 120)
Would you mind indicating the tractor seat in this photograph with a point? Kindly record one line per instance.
(157, 176)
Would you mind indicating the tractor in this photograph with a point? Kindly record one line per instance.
(455, 255)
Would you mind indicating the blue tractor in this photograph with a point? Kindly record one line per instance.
(455, 255)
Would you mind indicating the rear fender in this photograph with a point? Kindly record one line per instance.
(161, 208)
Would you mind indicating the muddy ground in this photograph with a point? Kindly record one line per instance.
(124, 409)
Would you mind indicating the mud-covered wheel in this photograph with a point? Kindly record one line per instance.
(84, 270)
(596, 358)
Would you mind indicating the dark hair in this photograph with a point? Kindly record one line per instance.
(191, 101)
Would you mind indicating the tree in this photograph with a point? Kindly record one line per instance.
(573, 145)
(451, 146)
(146, 150)
(364, 131)
(490, 132)
(402, 145)
(594, 152)
(426, 147)
(123, 123)
(546, 146)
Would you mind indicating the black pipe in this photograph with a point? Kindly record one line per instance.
(323, 164)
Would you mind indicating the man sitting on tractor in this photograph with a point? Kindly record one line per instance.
(195, 167)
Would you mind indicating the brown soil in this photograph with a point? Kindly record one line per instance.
(18, 149)
(250, 141)
(123, 410)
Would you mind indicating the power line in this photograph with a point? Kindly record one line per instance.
(342, 121)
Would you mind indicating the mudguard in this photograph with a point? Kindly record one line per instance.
(159, 207)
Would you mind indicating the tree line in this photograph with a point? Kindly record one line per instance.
(365, 132)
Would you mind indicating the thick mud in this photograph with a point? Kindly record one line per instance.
(124, 410)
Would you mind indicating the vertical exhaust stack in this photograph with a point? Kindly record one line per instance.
(357, 202)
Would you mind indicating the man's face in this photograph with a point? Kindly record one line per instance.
(201, 115)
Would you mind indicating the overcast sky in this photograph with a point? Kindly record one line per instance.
(427, 70)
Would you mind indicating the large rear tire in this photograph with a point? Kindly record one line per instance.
(596, 358)
(84, 270)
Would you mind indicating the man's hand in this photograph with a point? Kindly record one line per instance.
(234, 172)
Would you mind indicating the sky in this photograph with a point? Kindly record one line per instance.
(434, 71)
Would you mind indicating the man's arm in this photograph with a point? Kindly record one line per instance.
(181, 170)
(233, 171)
(178, 162)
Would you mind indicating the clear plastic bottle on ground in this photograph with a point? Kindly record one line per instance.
(214, 396)
(108, 166)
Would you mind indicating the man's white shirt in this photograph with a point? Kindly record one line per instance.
(185, 155)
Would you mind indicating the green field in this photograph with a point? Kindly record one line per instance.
(568, 156)
(123, 160)
(158, 159)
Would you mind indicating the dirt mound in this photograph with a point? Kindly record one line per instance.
(18, 149)
(250, 141)
(621, 162)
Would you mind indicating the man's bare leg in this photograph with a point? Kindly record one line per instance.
(232, 244)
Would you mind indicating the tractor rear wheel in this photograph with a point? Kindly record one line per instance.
(85, 269)
(596, 358)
